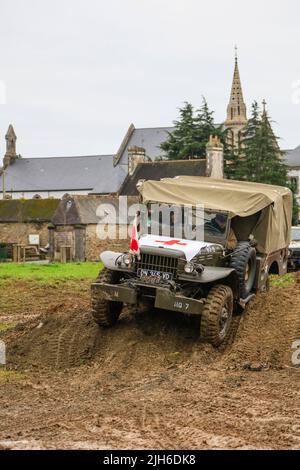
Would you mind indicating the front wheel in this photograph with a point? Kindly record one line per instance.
(216, 319)
(106, 312)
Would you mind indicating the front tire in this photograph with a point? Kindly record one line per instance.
(106, 312)
(216, 319)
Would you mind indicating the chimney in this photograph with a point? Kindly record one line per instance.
(10, 154)
(136, 155)
(215, 158)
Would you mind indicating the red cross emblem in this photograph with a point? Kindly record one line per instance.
(171, 242)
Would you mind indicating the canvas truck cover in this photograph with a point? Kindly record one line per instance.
(237, 198)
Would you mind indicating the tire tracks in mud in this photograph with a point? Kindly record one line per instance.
(68, 346)
(267, 329)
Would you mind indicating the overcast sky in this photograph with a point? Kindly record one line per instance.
(78, 72)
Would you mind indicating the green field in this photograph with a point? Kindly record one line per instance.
(48, 272)
(282, 281)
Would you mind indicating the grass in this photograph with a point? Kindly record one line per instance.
(282, 281)
(48, 272)
(7, 326)
(9, 375)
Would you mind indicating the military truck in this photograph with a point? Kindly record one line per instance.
(246, 233)
(294, 250)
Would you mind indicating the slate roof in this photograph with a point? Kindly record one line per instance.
(292, 157)
(64, 174)
(149, 138)
(27, 210)
(162, 169)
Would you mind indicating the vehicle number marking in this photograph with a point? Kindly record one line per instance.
(181, 305)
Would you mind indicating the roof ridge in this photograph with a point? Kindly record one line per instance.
(153, 127)
(72, 156)
(153, 162)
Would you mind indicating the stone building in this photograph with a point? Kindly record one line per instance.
(22, 221)
(84, 226)
(27, 178)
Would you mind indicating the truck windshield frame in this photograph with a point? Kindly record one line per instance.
(214, 225)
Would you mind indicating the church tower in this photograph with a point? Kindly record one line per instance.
(236, 109)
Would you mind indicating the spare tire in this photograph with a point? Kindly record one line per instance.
(243, 260)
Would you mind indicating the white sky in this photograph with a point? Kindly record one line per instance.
(78, 72)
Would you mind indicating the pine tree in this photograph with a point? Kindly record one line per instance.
(191, 133)
(205, 127)
(231, 156)
(295, 213)
(262, 159)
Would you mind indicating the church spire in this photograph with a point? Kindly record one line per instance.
(236, 110)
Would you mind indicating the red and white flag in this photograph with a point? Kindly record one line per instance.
(134, 243)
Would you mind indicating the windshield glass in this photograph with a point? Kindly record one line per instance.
(296, 233)
(187, 223)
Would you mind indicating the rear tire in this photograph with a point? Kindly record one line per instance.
(106, 312)
(243, 260)
(216, 319)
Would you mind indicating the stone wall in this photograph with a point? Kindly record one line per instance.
(87, 238)
(95, 245)
(14, 232)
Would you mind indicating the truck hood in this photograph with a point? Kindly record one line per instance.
(190, 248)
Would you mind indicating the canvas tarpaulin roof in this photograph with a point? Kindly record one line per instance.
(237, 198)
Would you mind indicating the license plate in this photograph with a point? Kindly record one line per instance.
(154, 277)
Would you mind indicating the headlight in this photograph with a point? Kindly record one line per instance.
(189, 268)
(128, 259)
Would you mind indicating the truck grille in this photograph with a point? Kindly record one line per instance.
(165, 264)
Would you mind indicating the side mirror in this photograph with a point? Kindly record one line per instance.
(252, 240)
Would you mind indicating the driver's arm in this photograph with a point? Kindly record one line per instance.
(232, 240)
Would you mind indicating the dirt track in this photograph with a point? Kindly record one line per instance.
(148, 383)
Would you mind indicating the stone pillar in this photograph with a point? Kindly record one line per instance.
(215, 158)
(11, 153)
(136, 155)
(51, 251)
(80, 243)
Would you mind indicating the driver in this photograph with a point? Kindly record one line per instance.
(217, 226)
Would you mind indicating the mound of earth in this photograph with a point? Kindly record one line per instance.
(268, 329)
(68, 337)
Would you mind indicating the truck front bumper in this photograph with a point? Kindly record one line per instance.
(164, 298)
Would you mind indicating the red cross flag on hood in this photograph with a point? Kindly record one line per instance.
(189, 247)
